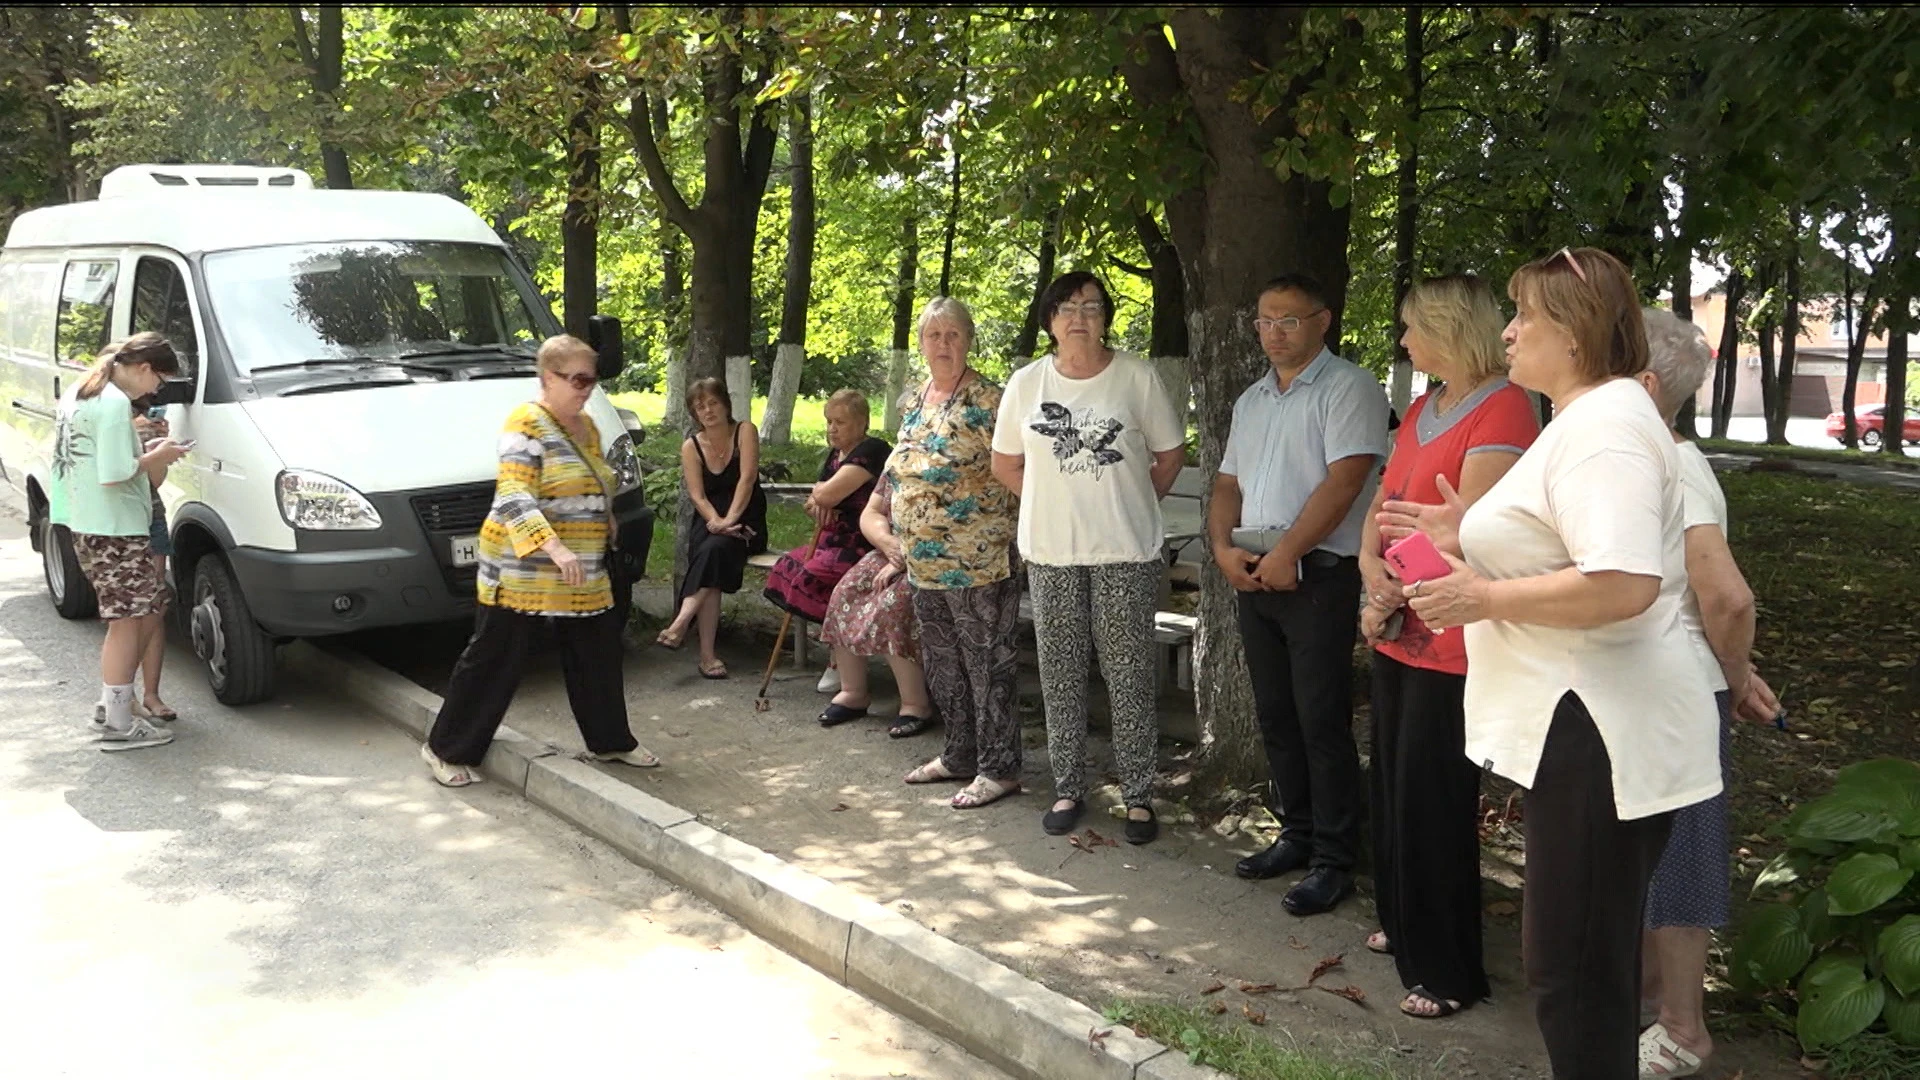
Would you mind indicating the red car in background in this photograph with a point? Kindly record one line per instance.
(1870, 420)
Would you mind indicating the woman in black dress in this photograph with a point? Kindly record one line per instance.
(719, 544)
(803, 583)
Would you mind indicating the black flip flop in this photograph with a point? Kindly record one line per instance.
(906, 726)
(1446, 1008)
(834, 715)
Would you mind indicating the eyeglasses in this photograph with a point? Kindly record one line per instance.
(1286, 325)
(1089, 310)
(1567, 254)
(577, 381)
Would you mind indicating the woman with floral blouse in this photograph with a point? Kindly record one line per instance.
(956, 524)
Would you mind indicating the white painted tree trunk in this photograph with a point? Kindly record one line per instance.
(676, 418)
(1178, 381)
(899, 367)
(777, 427)
(740, 386)
(1400, 391)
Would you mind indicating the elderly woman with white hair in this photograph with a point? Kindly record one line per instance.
(956, 526)
(1688, 895)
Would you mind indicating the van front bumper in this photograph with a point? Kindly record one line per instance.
(399, 574)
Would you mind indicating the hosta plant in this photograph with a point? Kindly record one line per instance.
(1840, 938)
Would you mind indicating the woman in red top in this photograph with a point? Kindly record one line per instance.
(1457, 440)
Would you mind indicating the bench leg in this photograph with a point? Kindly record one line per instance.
(800, 645)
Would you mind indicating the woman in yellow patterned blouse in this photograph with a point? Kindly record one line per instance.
(543, 554)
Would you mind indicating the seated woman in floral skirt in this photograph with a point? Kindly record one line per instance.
(802, 583)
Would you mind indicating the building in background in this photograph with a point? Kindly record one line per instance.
(1820, 361)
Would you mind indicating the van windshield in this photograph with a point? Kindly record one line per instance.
(381, 300)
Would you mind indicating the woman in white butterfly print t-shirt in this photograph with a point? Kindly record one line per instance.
(1090, 440)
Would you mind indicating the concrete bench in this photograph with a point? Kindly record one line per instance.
(1185, 528)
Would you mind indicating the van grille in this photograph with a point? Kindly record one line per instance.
(455, 510)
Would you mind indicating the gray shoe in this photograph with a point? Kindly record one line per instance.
(136, 737)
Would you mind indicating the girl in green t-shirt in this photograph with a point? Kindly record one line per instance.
(103, 481)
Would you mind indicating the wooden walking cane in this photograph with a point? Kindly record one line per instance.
(760, 702)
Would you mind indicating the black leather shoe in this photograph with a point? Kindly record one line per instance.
(1284, 857)
(1143, 832)
(1321, 890)
(1061, 822)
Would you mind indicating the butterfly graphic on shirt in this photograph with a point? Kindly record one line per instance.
(1095, 436)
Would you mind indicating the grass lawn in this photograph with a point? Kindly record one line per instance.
(1839, 454)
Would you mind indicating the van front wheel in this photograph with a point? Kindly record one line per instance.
(239, 657)
(72, 594)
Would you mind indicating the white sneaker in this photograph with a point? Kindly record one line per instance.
(829, 681)
(140, 735)
(447, 775)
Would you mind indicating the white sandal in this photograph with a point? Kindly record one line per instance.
(1662, 1058)
(447, 775)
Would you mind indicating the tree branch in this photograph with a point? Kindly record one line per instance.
(303, 43)
(640, 126)
(1136, 271)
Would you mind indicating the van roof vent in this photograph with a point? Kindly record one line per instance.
(147, 179)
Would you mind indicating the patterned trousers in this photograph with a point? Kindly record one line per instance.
(1111, 605)
(967, 649)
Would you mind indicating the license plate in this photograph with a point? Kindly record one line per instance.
(466, 550)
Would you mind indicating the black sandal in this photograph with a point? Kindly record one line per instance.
(834, 715)
(1445, 1008)
(906, 726)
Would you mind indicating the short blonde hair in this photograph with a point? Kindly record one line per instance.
(1678, 353)
(1459, 315)
(854, 402)
(562, 347)
(953, 311)
(1589, 294)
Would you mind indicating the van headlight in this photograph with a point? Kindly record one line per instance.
(316, 501)
(624, 462)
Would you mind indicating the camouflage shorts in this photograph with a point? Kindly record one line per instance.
(123, 576)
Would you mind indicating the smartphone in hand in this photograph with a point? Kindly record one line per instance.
(1414, 558)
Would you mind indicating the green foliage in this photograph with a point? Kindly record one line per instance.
(1845, 933)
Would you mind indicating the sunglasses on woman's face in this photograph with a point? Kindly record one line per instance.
(578, 380)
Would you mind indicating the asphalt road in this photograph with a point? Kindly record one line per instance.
(283, 892)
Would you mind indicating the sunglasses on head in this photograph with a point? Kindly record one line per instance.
(578, 382)
(1567, 254)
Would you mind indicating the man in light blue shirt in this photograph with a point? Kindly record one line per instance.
(1299, 470)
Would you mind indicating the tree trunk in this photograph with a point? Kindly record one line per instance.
(953, 199)
(722, 227)
(1899, 323)
(1726, 369)
(1029, 339)
(323, 55)
(1232, 231)
(1769, 382)
(1789, 347)
(900, 358)
(1407, 205)
(1859, 328)
(673, 299)
(791, 354)
(580, 222)
(1168, 336)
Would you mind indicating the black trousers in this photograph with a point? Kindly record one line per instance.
(1299, 648)
(1426, 838)
(489, 671)
(1587, 874)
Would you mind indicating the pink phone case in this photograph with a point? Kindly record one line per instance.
(1414, 558)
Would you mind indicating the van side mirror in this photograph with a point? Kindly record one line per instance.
(603, 333)
(174, 392)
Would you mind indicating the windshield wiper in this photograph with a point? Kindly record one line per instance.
(350, 362)
(467, 351)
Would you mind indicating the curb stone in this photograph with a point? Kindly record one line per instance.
(986, 1007)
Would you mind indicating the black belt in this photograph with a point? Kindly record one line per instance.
(1318, 559)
